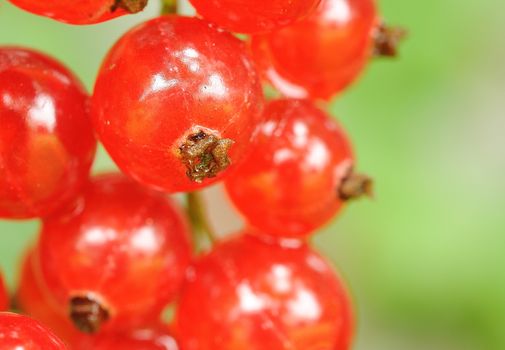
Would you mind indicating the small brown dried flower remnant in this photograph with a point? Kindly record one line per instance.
(386, 40)
(205, 155)
(132, 6)
(354, 186)
(87, 314)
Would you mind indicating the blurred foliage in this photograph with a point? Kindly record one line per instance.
(425, 258)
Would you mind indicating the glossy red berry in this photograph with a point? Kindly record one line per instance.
(46, 138)
(246, 16)
(156, 338)
(34, 300)
(299, 173)
(81, 12)
(176, 102)
(322, 54)
(4, 298)
(119, 258)
(23, 333)
(252, 295)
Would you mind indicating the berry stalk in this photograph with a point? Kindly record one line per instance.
(198, 218)
(168, 7)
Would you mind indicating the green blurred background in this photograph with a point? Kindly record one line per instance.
(426, 258)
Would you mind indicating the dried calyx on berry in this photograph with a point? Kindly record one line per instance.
(355, 185)
(132, 6)
(205, 155)
(87, 314)
(386, 40)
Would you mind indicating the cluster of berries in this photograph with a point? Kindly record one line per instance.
(178, 104)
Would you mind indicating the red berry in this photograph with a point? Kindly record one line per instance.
(176, 101)
(81, 12)
(246, 16)
(156, 338)
(299, 173)
(322, 54)
(33, 300)
(46, 138)
(4, 298)
(119, 259)
(249, 294)
(23, 333)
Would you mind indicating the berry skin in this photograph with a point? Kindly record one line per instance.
(33, 300)
(4, 298)
(246, 16)
(118, 259)
(249, 294)
(299, 173)
(176, 102)
(156, 338)
(19, 332)
(321, 55)
(46, 138)
(81, 12)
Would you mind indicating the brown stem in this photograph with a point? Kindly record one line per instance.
(198, 217)
(168, 7)
(204, 155)
(14, 305)
(354, 186)
(87, 314)
(386, 40)
(132, 6)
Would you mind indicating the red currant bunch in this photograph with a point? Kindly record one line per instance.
(178, 104)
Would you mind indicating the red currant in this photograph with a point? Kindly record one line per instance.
(322, 54)
(299, 173)
(156, 338)
(119, 259)
(23, 333)
(246, 16)
(4, 298)
(250, 294)
(81, 12)
(176, 102)
(33, 300)
(46, 138)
